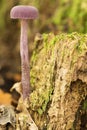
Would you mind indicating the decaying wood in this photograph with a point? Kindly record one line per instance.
(58, 96)
(59, 77)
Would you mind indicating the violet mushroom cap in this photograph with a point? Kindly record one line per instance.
(24, 12)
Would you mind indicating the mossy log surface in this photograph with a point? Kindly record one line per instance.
(59, 79)
(58, 99)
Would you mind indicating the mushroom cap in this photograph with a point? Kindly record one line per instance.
(24, 12)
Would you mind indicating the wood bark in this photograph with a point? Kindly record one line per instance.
(60, 70)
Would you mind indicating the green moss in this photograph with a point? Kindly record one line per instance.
(57, 52)
(85, 105)
(81, 47)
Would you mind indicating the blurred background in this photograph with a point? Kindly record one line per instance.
(54, 16)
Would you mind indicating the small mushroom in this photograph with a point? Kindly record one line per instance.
(24, 13)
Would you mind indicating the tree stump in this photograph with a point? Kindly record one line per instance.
(59, 77)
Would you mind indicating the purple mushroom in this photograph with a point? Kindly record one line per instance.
(24, 13)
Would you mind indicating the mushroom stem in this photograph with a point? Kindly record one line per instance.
(25, 79)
